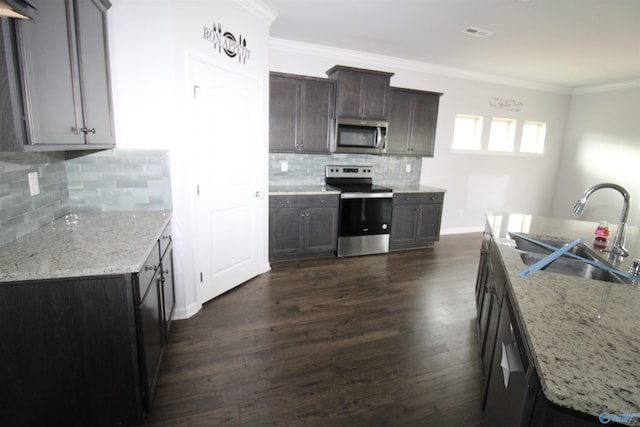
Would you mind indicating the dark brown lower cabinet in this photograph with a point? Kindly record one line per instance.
(416, 220)
(302, 226)
(84, 351)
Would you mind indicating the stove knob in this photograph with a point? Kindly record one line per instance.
(384, 226)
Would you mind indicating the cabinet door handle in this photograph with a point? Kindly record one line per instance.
(87, 131)
(150, 267)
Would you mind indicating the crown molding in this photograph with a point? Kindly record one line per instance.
(259, 9)
(394, 63)
(630, 84)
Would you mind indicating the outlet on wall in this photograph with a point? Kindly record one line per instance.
(284, 166)
(34, 186)
(407, 168)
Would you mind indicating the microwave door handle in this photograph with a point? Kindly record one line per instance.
(379, 138)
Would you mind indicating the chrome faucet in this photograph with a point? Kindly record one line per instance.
(617, 248)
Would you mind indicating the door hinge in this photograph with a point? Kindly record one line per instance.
(201, 279)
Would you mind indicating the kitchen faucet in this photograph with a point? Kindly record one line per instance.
(617, 248)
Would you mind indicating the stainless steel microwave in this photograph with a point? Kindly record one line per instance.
(360, 136)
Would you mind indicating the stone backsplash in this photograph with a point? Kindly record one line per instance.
(21, 213)
(120, 180)
(111, 180)
(308, 169)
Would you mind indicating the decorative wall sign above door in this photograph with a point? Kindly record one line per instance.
(226, 42)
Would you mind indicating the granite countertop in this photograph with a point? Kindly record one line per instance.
(275, 190)
(584, 334)
(84, 244)
(416, 188)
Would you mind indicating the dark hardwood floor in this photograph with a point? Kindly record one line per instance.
(381, 340)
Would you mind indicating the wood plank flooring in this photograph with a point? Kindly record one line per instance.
(381, 340)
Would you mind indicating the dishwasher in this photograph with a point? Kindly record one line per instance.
(513, 382)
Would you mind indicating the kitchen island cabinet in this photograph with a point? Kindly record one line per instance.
(301, 110)
(416, 220)
(302, 226)
(59, 61)
(490, 284)
(413, 117)
(564, 352)
(88, 304)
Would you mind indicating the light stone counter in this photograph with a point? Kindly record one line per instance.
(84, 244)
(416, 188)
(325, 189)
(275, 190)
(584, 334)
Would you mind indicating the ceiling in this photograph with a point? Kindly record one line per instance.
(567, 43)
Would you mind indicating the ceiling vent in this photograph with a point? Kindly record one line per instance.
(478, 32)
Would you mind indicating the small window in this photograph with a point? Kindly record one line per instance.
(467, 133)
(502, 135)
(533, 135)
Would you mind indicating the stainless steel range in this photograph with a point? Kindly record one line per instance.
(365, 210)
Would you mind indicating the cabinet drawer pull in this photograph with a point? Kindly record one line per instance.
(87, 131)
(150, 267)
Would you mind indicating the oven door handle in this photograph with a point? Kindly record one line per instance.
(366, 195)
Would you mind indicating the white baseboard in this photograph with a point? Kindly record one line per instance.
(185, 313)
(461, 230)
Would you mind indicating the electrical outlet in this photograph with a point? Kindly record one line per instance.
(34, 186)
(407, 168)
(284, 166)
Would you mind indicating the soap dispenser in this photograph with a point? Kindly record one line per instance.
(601, 235)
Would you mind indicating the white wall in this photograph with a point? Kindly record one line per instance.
(474, 182)
(602, 144)
(151, 42)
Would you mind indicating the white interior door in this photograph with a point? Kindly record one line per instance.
(228, 159)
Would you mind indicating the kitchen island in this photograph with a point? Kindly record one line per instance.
(87, 305)
(582, 335)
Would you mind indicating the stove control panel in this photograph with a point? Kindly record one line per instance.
(348, 172)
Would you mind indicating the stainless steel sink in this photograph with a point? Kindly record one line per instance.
(532, 252)
(574, 268)
(527, 246)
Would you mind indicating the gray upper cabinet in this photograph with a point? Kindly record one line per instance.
(64, 67)
(12, 135)
(412, 122)
(361, 94)
(301, 110)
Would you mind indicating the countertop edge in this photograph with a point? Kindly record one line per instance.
(51, 264)
(557, 353)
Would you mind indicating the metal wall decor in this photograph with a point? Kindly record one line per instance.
(505, 104)
(226, 42)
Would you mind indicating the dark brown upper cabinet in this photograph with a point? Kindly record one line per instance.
(361, 94)
(301, 111)
(58, 78)
(413, 117)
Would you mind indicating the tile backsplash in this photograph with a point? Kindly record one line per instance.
(308, 169)
(21, 213)
(111, 180)
(120, 180)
